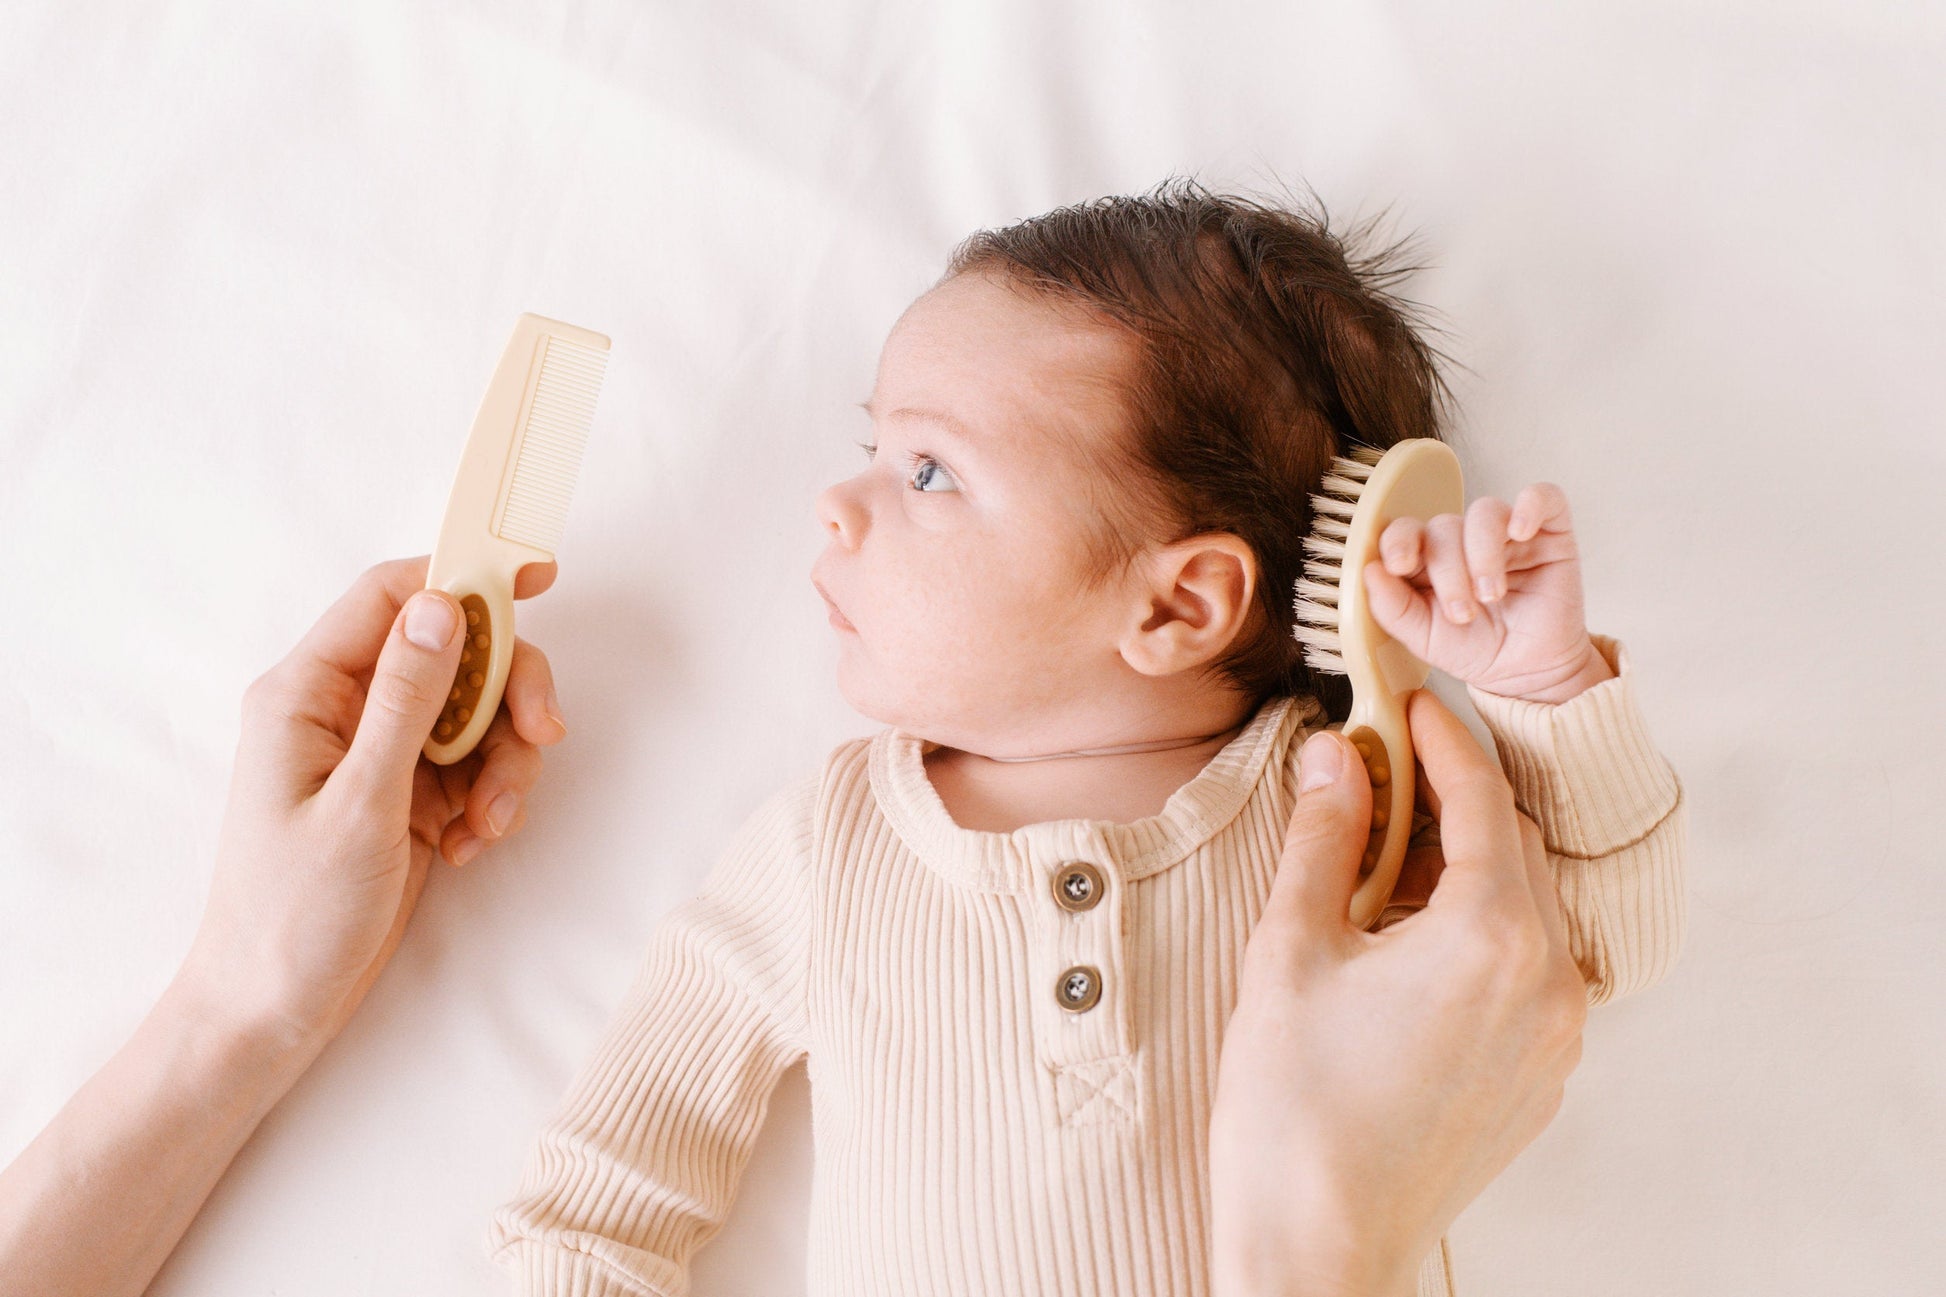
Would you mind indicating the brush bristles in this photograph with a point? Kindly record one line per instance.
(1317, 593)
(550, 449)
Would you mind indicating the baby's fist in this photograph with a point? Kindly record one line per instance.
(1492, 597)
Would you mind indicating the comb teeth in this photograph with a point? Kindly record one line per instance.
(1317, 592)
(556, 433)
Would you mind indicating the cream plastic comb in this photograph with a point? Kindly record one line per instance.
(508, 505)
(1360, 496)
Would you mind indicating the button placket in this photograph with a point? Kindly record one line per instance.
(1080, 1000)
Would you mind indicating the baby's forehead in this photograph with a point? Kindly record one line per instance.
(999, 313)
(1011, 370)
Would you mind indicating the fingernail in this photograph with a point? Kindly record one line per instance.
(468, 848)
(553, 708)
(1459, 611)
(500, 812)
(1484, 587)
(1321, 760)
(429, 621)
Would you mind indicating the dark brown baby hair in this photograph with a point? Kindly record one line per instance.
(1266, 343)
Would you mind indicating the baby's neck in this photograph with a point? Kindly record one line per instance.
(1156, 745)
(999, 796)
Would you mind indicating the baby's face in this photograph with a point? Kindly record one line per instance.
(957, 553)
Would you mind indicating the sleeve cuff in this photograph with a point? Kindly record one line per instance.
(1584, 770)
(544, 1270)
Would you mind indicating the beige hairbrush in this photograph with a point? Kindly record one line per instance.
(508, 505)
(1360, 496)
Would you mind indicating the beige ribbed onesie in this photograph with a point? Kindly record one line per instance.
(973, 1134)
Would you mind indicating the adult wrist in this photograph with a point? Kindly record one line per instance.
(1290, 1281)
(261, 1042)
(1251, 1263)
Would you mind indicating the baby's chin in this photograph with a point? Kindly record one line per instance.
(930, 724)
(925, 727)
(974, 698)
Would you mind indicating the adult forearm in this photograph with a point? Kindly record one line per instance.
(100, 1198)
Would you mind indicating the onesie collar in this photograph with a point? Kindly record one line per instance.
(1016, 861)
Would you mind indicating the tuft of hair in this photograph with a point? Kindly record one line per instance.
(1265, 345)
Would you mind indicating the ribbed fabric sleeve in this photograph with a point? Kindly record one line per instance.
(553, 1266)
(1610, 809)
(1436, 1272)
(1012, 1038)
(639, 1166)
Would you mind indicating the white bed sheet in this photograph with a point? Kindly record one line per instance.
(259, 259)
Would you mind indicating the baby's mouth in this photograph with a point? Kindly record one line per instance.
(837, 618)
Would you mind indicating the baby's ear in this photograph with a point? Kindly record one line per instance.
(1190, 605)
(1218, 572)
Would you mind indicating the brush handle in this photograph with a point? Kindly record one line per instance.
(1377, 729)
(486, 592)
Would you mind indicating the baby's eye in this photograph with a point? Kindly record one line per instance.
(914, 461)
(930, 470)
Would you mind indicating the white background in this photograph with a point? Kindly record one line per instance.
(257, 261)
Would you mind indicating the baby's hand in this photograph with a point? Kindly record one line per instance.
(1504, 610)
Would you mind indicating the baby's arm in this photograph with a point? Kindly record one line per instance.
(1494, 598)
(639, 1164)
(1610, 809)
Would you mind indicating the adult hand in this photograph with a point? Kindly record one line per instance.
(326, 843)
(333, 816)
(1372, 1084)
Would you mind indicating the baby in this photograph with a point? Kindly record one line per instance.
(1004, 931)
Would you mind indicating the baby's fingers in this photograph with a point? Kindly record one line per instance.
(1540, 506)
(1486, 547)
(1446, 565)
(1399, 609)
(1400, 546)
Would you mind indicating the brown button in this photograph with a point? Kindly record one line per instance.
(1077, 989)
(1077, 887)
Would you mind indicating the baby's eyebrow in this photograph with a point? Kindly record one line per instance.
(939, 417)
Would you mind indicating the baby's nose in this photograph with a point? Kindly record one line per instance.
(834, 513)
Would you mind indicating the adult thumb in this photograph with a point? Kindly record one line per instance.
(1319, 868)
(409, 686)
